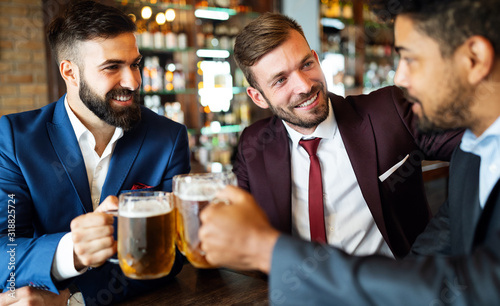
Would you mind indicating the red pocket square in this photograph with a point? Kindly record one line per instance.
(140, 186)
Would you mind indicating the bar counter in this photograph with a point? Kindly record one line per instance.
(208, 287)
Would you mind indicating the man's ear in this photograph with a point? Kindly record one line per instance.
(257, 97)
(315, 55)
(69, 72)
(479, 57)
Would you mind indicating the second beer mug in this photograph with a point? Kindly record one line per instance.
(146, 234)
(192, 193)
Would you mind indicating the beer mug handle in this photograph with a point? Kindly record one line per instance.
(217, 201)
(114, 213)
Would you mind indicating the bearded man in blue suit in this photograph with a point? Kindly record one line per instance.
(62, 166)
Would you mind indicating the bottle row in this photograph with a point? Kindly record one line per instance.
(166, 39)
(156, 78)
(172, 110)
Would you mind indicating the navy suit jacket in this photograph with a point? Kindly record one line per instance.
(378, 131)
(42, 174)
(455, 261)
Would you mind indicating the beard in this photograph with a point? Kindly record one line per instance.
(287, 114)
(123, 117)
(453, 110)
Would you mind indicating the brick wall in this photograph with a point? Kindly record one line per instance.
(23, 68)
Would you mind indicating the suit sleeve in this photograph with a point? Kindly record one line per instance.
(434, 145)
(27, 258)
(304, 273)
(436, 237)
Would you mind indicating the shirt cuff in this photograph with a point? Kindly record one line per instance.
(63, 266)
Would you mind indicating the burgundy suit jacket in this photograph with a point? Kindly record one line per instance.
(378, 131)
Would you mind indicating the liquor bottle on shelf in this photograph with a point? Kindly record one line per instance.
(146, 37)
(156, 73)
(158, 37)
(222, 32)
(169, 76)
(179, 81)
(173, 111)
(182, 40)
(154, 103)
(146, 75)
(170, 38)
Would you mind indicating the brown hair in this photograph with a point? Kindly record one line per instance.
(260, 37)
(82, 21)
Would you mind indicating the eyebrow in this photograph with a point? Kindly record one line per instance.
(279, 74)
(398, 49)
(118, 62)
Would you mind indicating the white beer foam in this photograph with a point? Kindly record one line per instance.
(196, 197)
(145, 209)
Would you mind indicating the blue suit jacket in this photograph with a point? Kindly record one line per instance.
(42, 173)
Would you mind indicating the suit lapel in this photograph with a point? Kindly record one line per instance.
(357, 135)
(489, 213)
(66, 146)
(465, 192)
(277, 165)
(126, 150)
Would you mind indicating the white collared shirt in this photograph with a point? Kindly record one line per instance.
(348, 221)
(97, 168)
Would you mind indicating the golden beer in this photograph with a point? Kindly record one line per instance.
(192, 193)
(188, 225)
(146, 239)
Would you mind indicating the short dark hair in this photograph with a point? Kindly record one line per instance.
(449, 22)
(259, 37)
(82, 21)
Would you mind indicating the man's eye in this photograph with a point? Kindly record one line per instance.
(114, 67)
(279, 81)
(408, 60)
(136, 65)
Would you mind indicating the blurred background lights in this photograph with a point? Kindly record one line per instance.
(170, 14)
(160, 18)
(146, 12)
(171, 67)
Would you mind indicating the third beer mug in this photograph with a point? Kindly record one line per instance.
(192, 193)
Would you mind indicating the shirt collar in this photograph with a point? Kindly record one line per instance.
(326, 129)
(81, 129)
(78, 126)
(470, 142)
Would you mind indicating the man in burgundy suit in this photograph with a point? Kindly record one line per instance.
(370, 151)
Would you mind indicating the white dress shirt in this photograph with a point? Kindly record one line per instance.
(348, 221)
(97, 168)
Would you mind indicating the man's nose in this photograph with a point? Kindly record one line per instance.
(401, 77)
(302, 83)
(131, 79)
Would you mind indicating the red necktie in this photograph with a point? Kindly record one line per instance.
(316, 216)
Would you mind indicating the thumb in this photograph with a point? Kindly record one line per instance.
(110, 203)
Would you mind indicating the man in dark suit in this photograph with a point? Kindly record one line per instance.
(63, 165)
(450, 65)
(370, 150)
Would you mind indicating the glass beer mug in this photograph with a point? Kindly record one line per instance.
(192, 193)
(146, 234)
